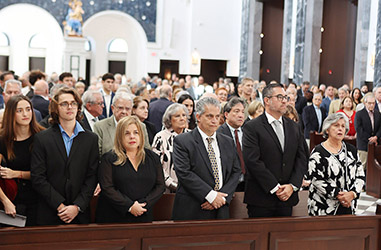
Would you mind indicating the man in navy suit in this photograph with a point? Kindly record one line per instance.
(234, 112)
(157, 108)
(107, 94)
(40, 99)
(92, 108)
(206, 167)
(368, 127)
(313, 116)
(275, 158)
(64, 164)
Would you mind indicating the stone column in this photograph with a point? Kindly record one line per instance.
(250, 59)
(286, 41)
(75, 56)
(377, 62)
(312, 42)
(299, 41)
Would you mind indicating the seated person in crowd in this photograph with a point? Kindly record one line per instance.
(175, 121)
(335, 104)
(16, 140)
(92, 108)
(313, 116)
(105, 129)
(347, 110)
(335, 171)
(140, 109)
(64, 163)
(255, 109)
(131, 177)
(206, 167)
(40, 99)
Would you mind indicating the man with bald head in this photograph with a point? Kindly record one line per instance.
(157, 108)
(40, 100)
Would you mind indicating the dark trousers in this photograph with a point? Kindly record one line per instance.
(256, 212)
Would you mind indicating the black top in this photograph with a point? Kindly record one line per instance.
(21, 162)
(122, 186)
(151, 130)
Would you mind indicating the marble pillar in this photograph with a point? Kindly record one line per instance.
(377, 62)
(312, 42)
(250, 59)
(362, 40)
(299, 41)
(286, 41)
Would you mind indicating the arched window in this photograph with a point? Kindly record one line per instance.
(4, 40)
(118, 45)
(37, 41)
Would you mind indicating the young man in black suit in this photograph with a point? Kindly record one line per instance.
(206, 167)
(368, 127)
(234, 112)
(64, 163)
(274, 157)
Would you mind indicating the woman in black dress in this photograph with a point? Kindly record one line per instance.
(16, 139)
(336, 174)
(131, 177)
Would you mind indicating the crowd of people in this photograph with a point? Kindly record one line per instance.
(63, 142)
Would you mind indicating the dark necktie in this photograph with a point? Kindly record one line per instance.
(239, 151)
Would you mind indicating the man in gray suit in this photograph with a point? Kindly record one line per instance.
(105, 129)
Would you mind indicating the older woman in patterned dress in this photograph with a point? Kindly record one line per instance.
(336, 174)
(175, 121)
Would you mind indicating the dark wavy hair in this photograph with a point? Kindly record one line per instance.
(192, 120)
(53, 106)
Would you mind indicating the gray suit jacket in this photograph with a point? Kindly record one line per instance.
(105, 129)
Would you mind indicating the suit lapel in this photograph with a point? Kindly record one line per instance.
(111, 128)
(271, 131)
(224, 157)
(286, 132)
(202, 150)
(59, 142)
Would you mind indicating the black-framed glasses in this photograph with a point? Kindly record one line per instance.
(281, 97)
(66, 104)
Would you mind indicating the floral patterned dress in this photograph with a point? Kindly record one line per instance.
(331, 174)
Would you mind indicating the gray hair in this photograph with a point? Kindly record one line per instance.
(55, 88)
(89, 96)
(332, 119)
(343, 89)
(171, 111)
(121, 96)
(165, 91)
(232, 102)
(375, 88)
(200, 105)
(12, 81)
(367, 96)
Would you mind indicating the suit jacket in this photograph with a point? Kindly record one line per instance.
(224, 129)
(41, 105)
(310, 120)
(267, 165)
(62, 179)
(106, 129)
(195, 176)
(300, 103)
(156, 111)
(104, 108)
(86, 124)
(364, 129)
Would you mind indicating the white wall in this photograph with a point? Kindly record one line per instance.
(20, 22)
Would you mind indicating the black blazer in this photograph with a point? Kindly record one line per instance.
(104, 108)
(195, 176)
(266, 164)
(300, 103)
(151, 130)
(41, 105)
(62, 179)
(224, 129)
(156, 111)
(364, 129)
(310, 120)
(86, 124)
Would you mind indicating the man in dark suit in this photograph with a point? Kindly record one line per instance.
(377, 96)
(64, 164)
(206, 167)
(313, 116)
(234, 112)
(92, 108)
(157, 108)
(107, 94)
(274, 157)
(40, 100)
(368, 127)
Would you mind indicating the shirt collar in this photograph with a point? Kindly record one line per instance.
(77, 129)
(316, 107)
(204, 136)
(271, 118)
(88, 115)
(233, 129)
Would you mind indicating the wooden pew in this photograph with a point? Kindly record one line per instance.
(317, 139)
(373, 175)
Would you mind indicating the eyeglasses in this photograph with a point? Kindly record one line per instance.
(281, 97)
(119, 108)
(98, 103)
(66, 104)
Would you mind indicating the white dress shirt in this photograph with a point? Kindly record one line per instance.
(107, 99)
(90, 118)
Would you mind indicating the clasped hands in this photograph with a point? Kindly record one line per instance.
(137, 209)
(218, 202)
(345, 198)
(67, 213)
(7, 173)
(284, 192)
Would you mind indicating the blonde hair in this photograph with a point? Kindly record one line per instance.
(118, 149)
(253, 107)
